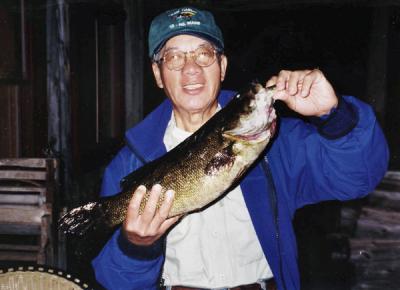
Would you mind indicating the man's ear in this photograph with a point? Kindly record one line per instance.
(224, 65)
(157, 75)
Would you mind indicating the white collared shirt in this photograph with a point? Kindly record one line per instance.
(216, 247)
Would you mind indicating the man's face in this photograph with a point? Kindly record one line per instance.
(192, 89)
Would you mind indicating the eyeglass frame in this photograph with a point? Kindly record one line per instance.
(217, 53)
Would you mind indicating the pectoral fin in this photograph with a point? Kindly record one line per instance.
(222, 160)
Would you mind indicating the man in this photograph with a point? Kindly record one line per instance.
(246, 240)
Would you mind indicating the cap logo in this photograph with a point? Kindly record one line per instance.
(182, 14)
(183, 17)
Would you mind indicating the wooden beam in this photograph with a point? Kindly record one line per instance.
(134, 62)
(245, 5)
(58, 76)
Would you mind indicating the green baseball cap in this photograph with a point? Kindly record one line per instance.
(184, 20)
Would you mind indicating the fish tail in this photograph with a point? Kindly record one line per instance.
(82, 219)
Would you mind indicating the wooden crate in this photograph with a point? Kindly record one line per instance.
(27, 188)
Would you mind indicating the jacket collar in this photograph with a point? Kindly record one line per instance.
(145, 140)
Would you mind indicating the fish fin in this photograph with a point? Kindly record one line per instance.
(231, 137)
(223, 159)
(82, 219)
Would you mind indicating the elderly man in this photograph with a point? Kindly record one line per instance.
(246, 240)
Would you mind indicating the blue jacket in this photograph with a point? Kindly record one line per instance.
(342, 156)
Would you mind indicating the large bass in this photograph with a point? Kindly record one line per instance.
(200, 169)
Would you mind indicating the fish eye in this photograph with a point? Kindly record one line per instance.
(252, 104)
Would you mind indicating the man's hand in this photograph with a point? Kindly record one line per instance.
(146, 228)
(306, 92)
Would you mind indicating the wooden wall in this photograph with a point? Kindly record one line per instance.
(23, 122)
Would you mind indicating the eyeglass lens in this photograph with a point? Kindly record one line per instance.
(202, 56)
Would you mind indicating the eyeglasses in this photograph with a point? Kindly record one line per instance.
(203, 56)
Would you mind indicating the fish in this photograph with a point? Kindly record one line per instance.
(200, 170)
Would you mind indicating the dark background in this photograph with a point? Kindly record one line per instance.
(261, 37)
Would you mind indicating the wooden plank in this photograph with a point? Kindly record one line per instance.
(14, 247)
(24, 162)
(391, 181)
(392, 175)
(19, 229)
(376, 284)
(378, 223)
(389, 200)
(376, 263)
(18, 256)
(39, 189)
(367, 251)
(359, 244)
(21, 214)
(23, 174)
(381, 215)
(28, 199)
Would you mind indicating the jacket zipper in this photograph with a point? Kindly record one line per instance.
(274, 206)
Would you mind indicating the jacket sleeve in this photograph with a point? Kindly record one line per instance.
(343, 157)
(120, 264)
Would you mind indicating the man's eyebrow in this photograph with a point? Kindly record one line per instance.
(170, 48)
(205, 43)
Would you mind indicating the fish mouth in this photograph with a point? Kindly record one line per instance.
(262, 135)
(255, 129)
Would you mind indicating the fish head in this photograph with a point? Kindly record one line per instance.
(256, 118)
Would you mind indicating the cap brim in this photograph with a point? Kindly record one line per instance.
(204, 36)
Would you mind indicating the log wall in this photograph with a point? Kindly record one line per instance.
(375, 244)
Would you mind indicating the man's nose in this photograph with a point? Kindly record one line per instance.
(191, 67)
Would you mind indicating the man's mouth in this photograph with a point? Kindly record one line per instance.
(193, 86)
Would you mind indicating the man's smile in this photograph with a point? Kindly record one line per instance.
(193, 86)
